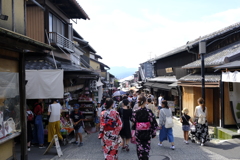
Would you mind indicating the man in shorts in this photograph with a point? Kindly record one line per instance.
(77, 119)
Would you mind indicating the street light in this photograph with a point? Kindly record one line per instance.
(202, 51)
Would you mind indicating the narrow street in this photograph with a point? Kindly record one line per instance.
(212, 151)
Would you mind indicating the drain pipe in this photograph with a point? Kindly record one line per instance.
(39, 5)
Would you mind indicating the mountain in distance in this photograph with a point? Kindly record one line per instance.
(121, 72)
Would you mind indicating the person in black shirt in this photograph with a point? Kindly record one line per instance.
(185, 124)
(77, 119)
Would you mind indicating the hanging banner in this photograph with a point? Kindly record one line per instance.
(44, 84)
(234, 91)
(231, 76)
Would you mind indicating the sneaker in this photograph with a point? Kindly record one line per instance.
(42, 146)
(202, 144)
(29, 149)
(159, 144)
(197, 142)
(80, 144)
(75, 142)
(172, 147)
(186, 142)
(124, 147)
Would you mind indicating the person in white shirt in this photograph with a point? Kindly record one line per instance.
(160, 99)
(54, 111)
(201, 119)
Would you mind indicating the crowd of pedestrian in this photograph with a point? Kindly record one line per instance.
(121, 120)
(133, 118)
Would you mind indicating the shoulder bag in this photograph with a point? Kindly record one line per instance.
(169, 120)
(201, 119)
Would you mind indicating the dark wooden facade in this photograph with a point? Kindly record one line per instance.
(175, 62)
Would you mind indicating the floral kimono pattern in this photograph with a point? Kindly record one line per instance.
(110, 135)
(202, 132)
(143, 137)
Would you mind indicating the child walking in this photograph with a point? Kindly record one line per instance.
(185, 124)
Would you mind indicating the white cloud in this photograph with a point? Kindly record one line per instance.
(126, 40)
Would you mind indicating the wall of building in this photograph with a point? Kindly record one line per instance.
(190, 97)
(228, 115)
(16, 16)
(7, 149)
(175, 61)
(35, 23)
(94, 65)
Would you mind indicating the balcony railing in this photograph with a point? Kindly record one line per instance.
(61, 41)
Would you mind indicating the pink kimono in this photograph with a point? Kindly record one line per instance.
(110, 127)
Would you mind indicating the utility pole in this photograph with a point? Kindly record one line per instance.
(202, 51)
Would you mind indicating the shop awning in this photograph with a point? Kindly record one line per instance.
(148, 84)
(162, 86)
(195, 80)
(173, 84)
(44, 84)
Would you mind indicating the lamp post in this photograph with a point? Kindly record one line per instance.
(202, 51)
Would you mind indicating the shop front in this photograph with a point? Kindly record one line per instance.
(191, 91)
(230, 98)
(13, 48)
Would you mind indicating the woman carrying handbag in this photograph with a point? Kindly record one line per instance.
(166, 132)
(145, 126)
(202, 125)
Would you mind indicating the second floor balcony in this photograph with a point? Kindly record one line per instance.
(61, 41)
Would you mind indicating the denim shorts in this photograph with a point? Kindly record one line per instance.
(80, 130)
(186, 127)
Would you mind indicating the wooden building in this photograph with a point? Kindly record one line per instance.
(222, 47)
(13, 47)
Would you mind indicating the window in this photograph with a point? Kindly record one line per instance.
(9, 99)
(56, 25)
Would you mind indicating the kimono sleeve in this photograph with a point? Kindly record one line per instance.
(153, 122)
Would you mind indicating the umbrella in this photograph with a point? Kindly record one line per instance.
(118, 93)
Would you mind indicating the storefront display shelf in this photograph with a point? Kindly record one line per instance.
(13, 135)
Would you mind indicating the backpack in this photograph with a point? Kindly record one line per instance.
(30, 115)
(169, 120)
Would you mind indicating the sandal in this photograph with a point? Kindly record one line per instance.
(127, 147)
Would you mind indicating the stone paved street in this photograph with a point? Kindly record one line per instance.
(91, 150)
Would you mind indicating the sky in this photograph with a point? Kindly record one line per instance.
(130, 32)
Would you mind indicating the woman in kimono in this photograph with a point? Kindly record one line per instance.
(145, 126)
(110, 127)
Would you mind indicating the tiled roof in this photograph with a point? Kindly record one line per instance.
(196, 41)
(163, 79)
(218, 57)
(68, 66)
(46, 62)
(234, 64)
(37, 63)
(26, 39)
(198, 78)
